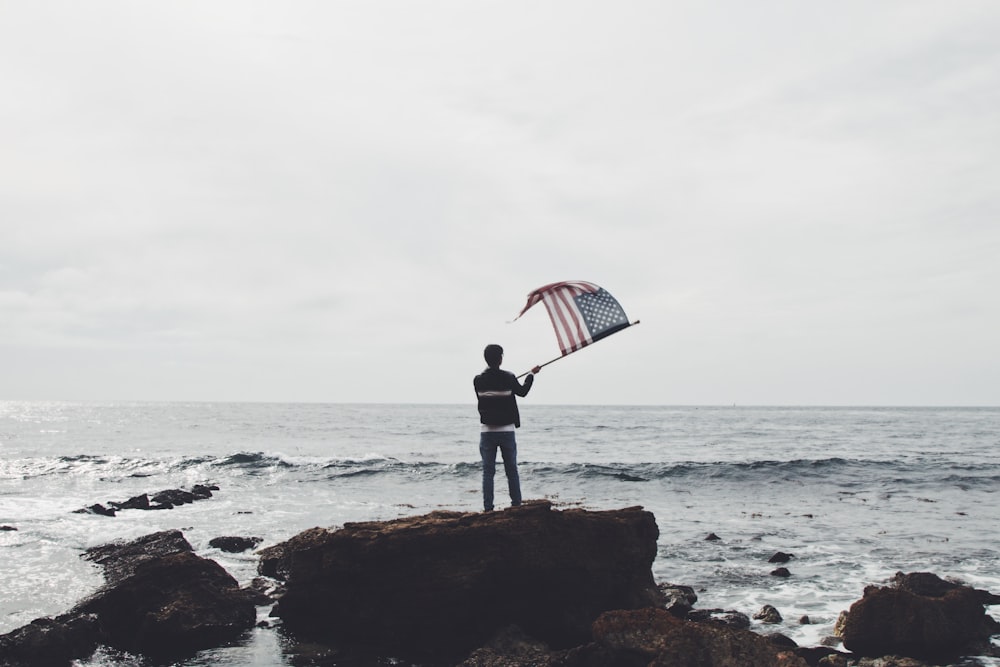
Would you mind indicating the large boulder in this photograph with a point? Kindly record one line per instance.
(439, 585)
(921, 616)
(160, 597)
(657, 638)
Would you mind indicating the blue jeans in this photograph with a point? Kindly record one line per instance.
(489, 441)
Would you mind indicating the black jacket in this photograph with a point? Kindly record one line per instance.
(496, 390)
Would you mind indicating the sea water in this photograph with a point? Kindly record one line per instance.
(855, 494)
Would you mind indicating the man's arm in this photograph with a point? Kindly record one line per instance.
(523, 389)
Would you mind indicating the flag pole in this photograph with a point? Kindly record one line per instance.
(552, 361)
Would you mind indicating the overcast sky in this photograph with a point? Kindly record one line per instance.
(235, 200)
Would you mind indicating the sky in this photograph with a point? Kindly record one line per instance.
(345, 201)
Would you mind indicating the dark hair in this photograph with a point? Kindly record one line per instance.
(493, 354)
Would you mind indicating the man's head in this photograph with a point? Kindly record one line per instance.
(493, 355)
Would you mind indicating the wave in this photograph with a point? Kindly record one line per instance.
(842, 472)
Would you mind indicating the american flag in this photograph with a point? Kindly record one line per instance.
(581, 312)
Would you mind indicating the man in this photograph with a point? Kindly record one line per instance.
(496, 390)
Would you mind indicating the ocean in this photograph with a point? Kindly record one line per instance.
(855, 494)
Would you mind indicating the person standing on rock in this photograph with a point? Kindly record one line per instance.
(496, 392)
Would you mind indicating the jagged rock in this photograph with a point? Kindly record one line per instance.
(891, 661)
(768, 614)
(173, 497)
(919, 616)
(160, 597)
(678, 600)
(234, 545)
(164, 500)
(662, 640)
(822, 655)
(140, 502)
(731, 619)
(712, 537)
(119, 559)
(50, 642)
(511, 647)
(264, 591)
(441, 584)
(96, 509)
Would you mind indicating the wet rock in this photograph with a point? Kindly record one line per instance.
(140, 502)
(833, 660)
(50, 642)
(96, 509)
(656, 637)
(781, 572)
(768, 614)
(263, 591)
(712, 537)
(511, 647)
(163, 500)
(4, 529)
(778, 639)
(678, 600)
(822, 655)
(441, 584)
(234, 545)
(919, 615)
(159, 598)
(780, 557)
(891, 661)
(162, 598)
(731, 619)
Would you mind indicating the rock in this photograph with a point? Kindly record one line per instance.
(655, 637)
(891, 661)
(768, 614)
(833, 660)
(4, 529)
(731, 619)
(919, 616)
(161, 598)
(119, 559)
(234, 545)
(712, 537)
(140, 502)
(173, 497)
(50, 642)
(511, 647)
(822, 655)
(441, 584)
(263, 591)
(164, 500)
(202, 491)
(96, 509)
(780, 557)
(783, 641)
(678, 600)
(781, 572)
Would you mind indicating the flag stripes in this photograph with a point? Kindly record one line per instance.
(581, 313)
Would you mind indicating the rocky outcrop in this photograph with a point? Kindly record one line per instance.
(919, 615)
(441, 584)
(160, 598)
(660, 639)
(162, 500)
(234, 544)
